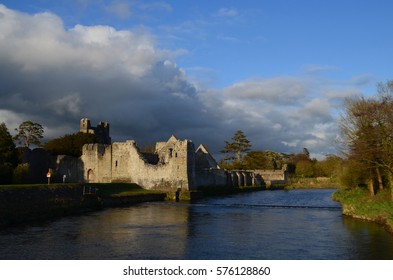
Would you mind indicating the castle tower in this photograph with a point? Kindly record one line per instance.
(101, 130)
(84, 125)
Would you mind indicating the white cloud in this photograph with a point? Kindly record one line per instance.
(282, 90)
(68, 104)
(56, 76)
(227, 12)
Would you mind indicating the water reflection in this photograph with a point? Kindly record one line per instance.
(231, 227)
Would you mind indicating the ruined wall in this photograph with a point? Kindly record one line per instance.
(40, 161)
(174, 169)
(273, 176)
(211, 177)
(97, 163)
(68, 169)
(123, 162)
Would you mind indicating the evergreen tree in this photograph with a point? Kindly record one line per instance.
(8, 155)
(7, 146)
(29, 133)
(235, 150)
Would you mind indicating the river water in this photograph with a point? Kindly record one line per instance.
(295, 224)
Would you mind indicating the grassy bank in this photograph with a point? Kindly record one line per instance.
(121, 189)
(312, 183)
(359, 204)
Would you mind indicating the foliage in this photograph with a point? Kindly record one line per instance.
(29, 133)
(293, 159)
(235, 150)
(263, 160)
(367, 130)
(7, 146)
(331, 166)
(305, 168)
(302, 166)
(8, 155)
(6, 173)
(21, 173)
(70, 144)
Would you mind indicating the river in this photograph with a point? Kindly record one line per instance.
(295, 224)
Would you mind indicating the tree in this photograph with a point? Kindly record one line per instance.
(262, 160)
(331, 167)
(7, 146)
(367, 129)
(8, 155)
(305, 168)
(235, 150)
(29, 133)
(306, 152)
(21, 173)
(70, 144)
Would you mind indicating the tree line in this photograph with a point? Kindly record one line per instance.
(239, 155)
(13, 169)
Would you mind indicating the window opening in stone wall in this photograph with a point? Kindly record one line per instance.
(116, 163)
(170, 152)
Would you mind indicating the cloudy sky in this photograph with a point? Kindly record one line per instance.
(278, 70)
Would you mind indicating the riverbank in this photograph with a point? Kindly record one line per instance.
(358, 203)
(26, 203)
(312, 183)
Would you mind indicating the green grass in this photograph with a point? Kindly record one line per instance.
(358, 203)
(120, 189)
(311, 183)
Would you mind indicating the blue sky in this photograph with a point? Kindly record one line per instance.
(278, 70)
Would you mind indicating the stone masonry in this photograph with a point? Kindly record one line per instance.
(175, 165)
(123, 162)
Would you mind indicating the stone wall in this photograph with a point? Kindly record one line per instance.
(279, 176)
(123, 162)
(41, 161)
(211, 177)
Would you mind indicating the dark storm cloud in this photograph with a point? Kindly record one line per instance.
(55, 76)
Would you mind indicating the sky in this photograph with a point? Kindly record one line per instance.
(201, 70)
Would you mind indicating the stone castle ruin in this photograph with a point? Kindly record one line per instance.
(101, 131)
(174, 165)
